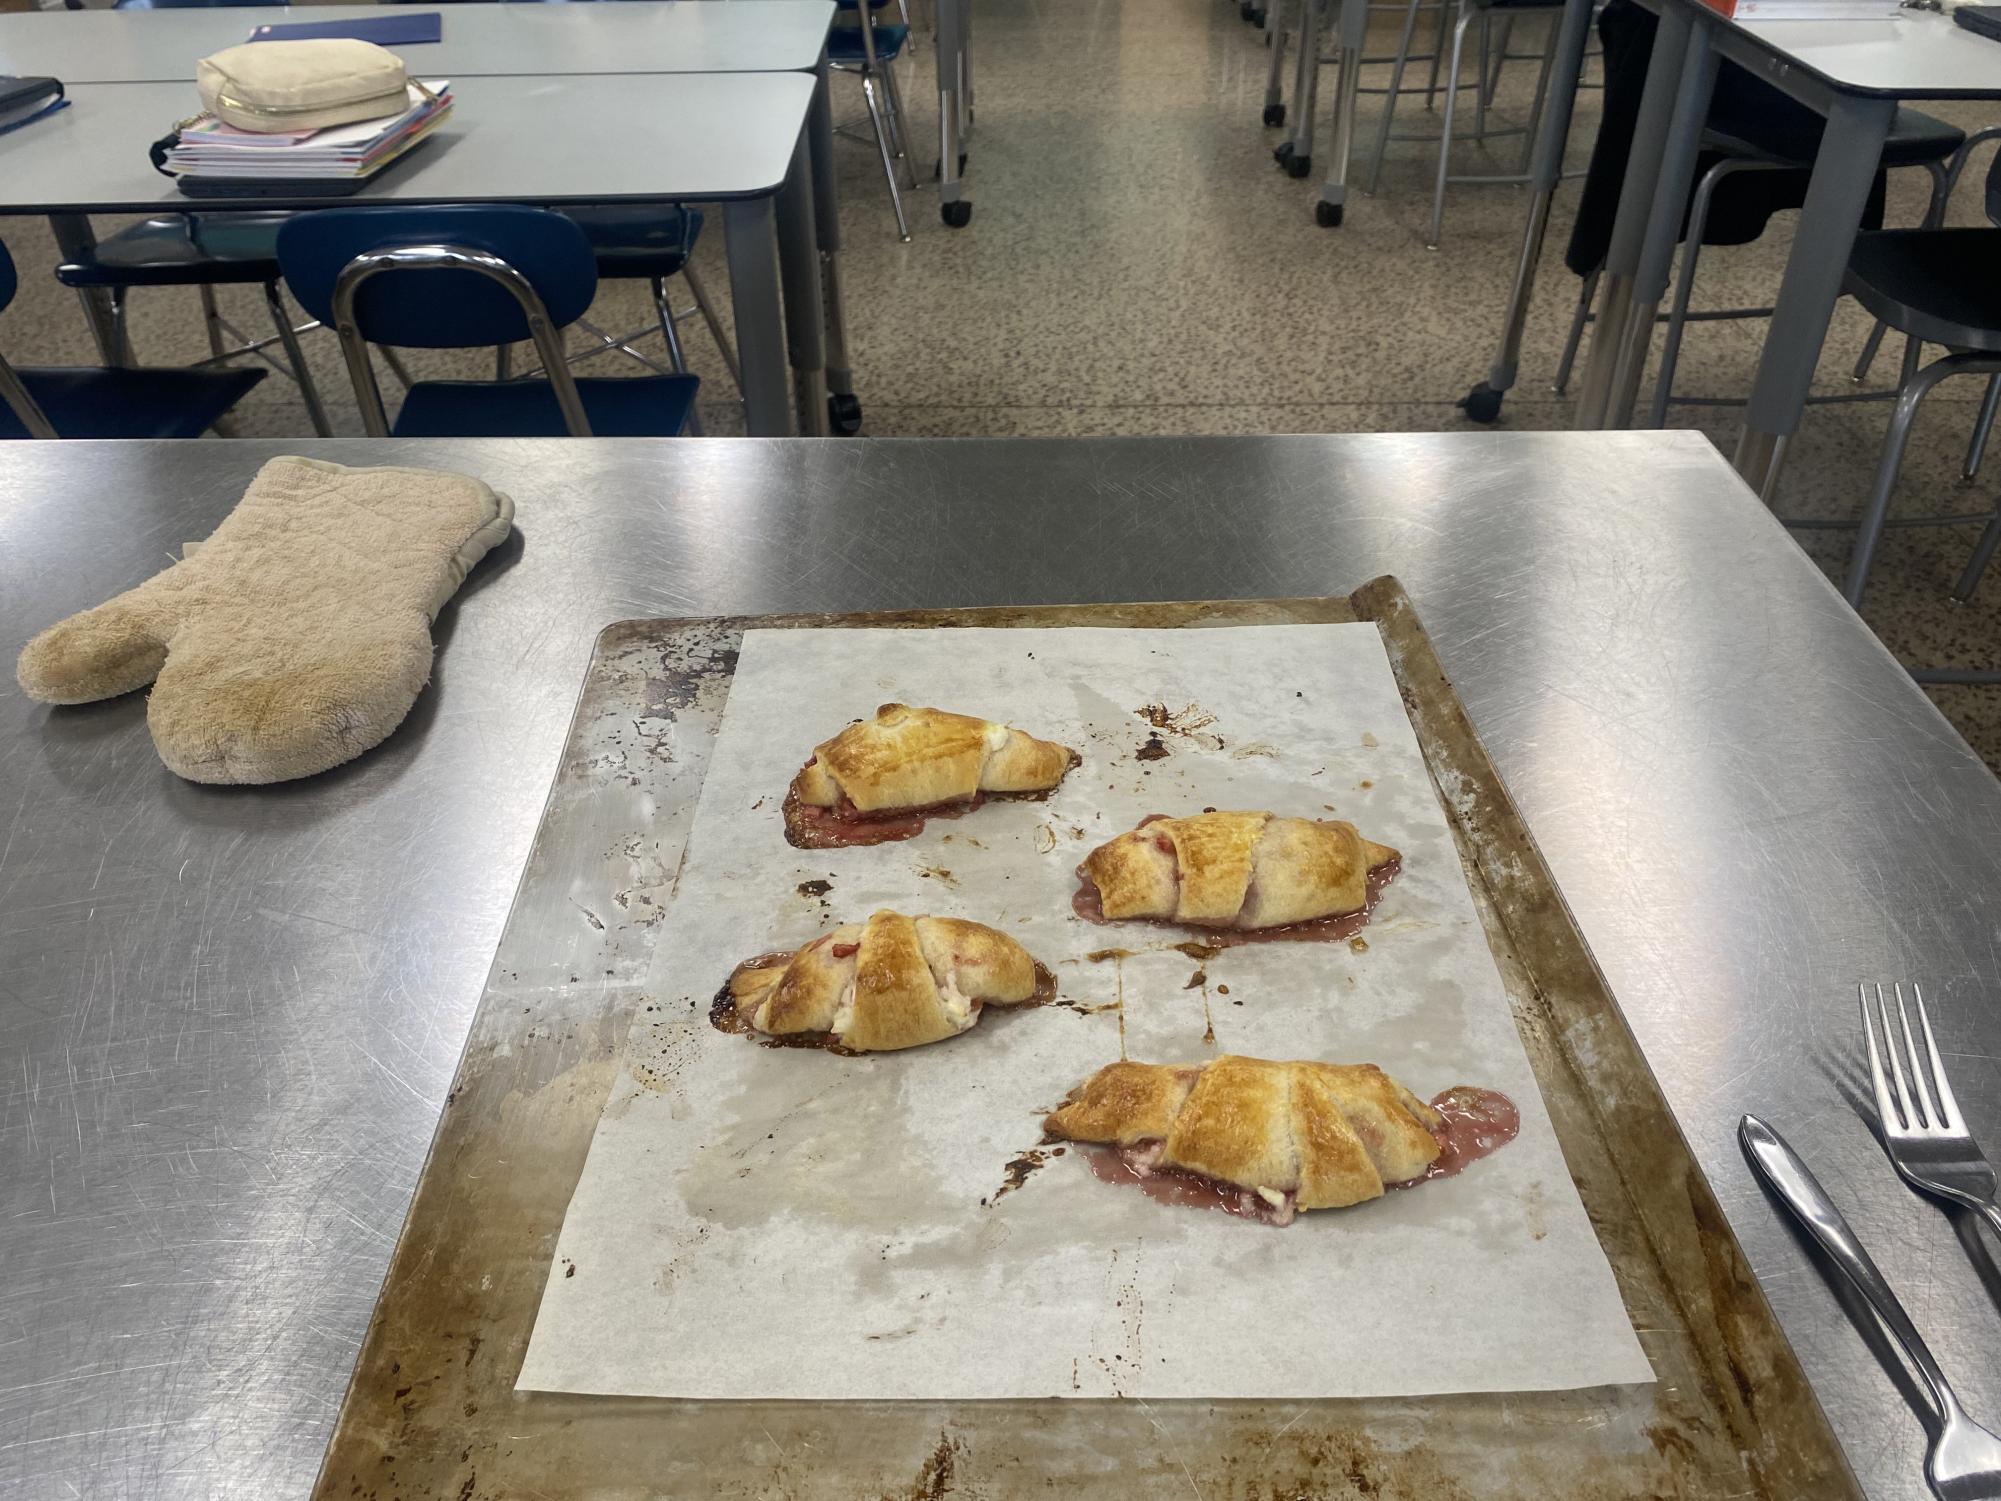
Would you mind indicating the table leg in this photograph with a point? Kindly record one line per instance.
(1483, 402)
(799, 270)
(1295, 153)
(1352, 30)
(75, 238)
(844, 410)
(1636, 201)
(750, 240)
(1850, 149)
(953, 207)
(1677, 173)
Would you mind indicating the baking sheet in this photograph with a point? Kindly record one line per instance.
(755, 1222)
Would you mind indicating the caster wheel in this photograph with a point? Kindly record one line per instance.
(1274, 114)
(1298, 166)
(1482, 403)
(957, 215)
(844, 413)
(1327, 215)
(1282, 152)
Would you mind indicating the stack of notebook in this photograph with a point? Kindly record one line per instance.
(209, 148)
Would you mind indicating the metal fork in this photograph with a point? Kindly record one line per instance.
(1923, 1130)
(1963, 1462)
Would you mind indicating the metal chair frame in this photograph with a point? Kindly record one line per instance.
(886, 116)
(441, 257)
(24, 406)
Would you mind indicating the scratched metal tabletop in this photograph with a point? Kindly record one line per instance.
(228, 1017)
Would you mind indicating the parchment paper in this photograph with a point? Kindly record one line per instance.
(786, 1223)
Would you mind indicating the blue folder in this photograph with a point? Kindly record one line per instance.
(397, 29)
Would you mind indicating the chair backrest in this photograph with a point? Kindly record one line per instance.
(442, 278)
(440, 307)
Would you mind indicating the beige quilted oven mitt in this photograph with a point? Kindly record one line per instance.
(298, 635)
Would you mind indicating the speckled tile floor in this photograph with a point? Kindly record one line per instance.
(1137, 264)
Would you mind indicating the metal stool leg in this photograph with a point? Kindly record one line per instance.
(1575, 337)
(1976, 449)
(1541, 100)
(309, 391)
(1441, 11)
(1466, 17)
(1691, 250)
(888, 162)
(1390, 97)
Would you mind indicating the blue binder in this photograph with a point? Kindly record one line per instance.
(397, 29)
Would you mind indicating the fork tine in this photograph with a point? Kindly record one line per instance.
(1917, 1066)
(1908, 1114)
(1948, 1113)
(1886, 1108)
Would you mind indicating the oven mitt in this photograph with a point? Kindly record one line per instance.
(294, 638)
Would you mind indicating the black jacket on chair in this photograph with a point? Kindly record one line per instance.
(1742, 106)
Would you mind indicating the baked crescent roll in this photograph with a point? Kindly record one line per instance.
(1295, 1135)
(891, 982)
(1235, 870)
(918, 758)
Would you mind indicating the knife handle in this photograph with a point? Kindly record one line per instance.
(1779, 1165)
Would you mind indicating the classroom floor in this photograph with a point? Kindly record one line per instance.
(1136, 263)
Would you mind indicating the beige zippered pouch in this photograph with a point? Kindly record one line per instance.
(266, 87)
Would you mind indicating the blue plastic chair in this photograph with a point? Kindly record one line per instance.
(467, 278)
(650, 242)
(870, 49)
(204, 251)
(113, 403)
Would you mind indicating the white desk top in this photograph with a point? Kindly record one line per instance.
(664, 36)
(604, 139)
(1916, 55)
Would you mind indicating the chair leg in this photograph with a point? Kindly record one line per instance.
(1976, 449)
(1443, 10)
(1941, 186)
(1677, 325)
(211, 318)
(1895, 441)
(396, 366)
(1390, 96)
(708, 309)
(676, 356)
(1491, 74)
(1568, 360)
(893, 98)
(1466, 18)
(121, 332)
(309, 391)
(1983, 554)
(503, 362)
(1869, 347)
(1480, 77)
(888, 162)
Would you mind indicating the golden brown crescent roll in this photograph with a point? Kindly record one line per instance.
(1235, 870)
(919, 758)
(1296, 1135)
(891, 982)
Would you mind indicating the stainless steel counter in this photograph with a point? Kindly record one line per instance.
(230, 1016)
